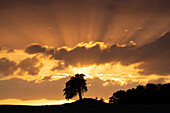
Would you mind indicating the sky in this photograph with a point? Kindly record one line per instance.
(117, 44)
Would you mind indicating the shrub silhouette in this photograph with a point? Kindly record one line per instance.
(76, 85)
(149, 94)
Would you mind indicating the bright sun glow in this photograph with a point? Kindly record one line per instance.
(84, 70)
(33, 102)
(108, 71)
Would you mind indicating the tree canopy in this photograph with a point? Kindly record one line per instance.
(76, 85)
(149, 94)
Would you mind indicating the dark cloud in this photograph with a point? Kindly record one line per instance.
(11, 51)
(24, 90)
(31, 65)
(158, 81)
(60, 66)
(7, 67)
(47, 77)
(155, 56)
(35, 48)
(80, 56)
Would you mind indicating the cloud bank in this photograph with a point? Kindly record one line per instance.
(154, 56)
(7, 67)
(32, 66)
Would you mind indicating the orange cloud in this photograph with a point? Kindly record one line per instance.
(153, 55)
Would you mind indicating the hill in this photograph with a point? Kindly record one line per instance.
(86, 106)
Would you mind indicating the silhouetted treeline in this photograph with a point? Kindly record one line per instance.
(149, 94)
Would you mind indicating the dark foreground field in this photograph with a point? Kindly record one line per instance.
(86, 108)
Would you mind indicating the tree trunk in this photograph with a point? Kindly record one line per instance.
(80, 96)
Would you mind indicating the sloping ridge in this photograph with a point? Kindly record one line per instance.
(88, 101)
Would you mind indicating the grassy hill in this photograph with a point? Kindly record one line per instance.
(86, 106)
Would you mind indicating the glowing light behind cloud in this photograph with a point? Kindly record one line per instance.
(69, 23)
(107, 71)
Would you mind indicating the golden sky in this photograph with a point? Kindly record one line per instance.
(117, 44)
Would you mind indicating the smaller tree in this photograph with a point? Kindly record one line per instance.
(76, 85)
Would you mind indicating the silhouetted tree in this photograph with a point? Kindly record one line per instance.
(101, 100)
(149, 94)
(76, 85)
(96, 98)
